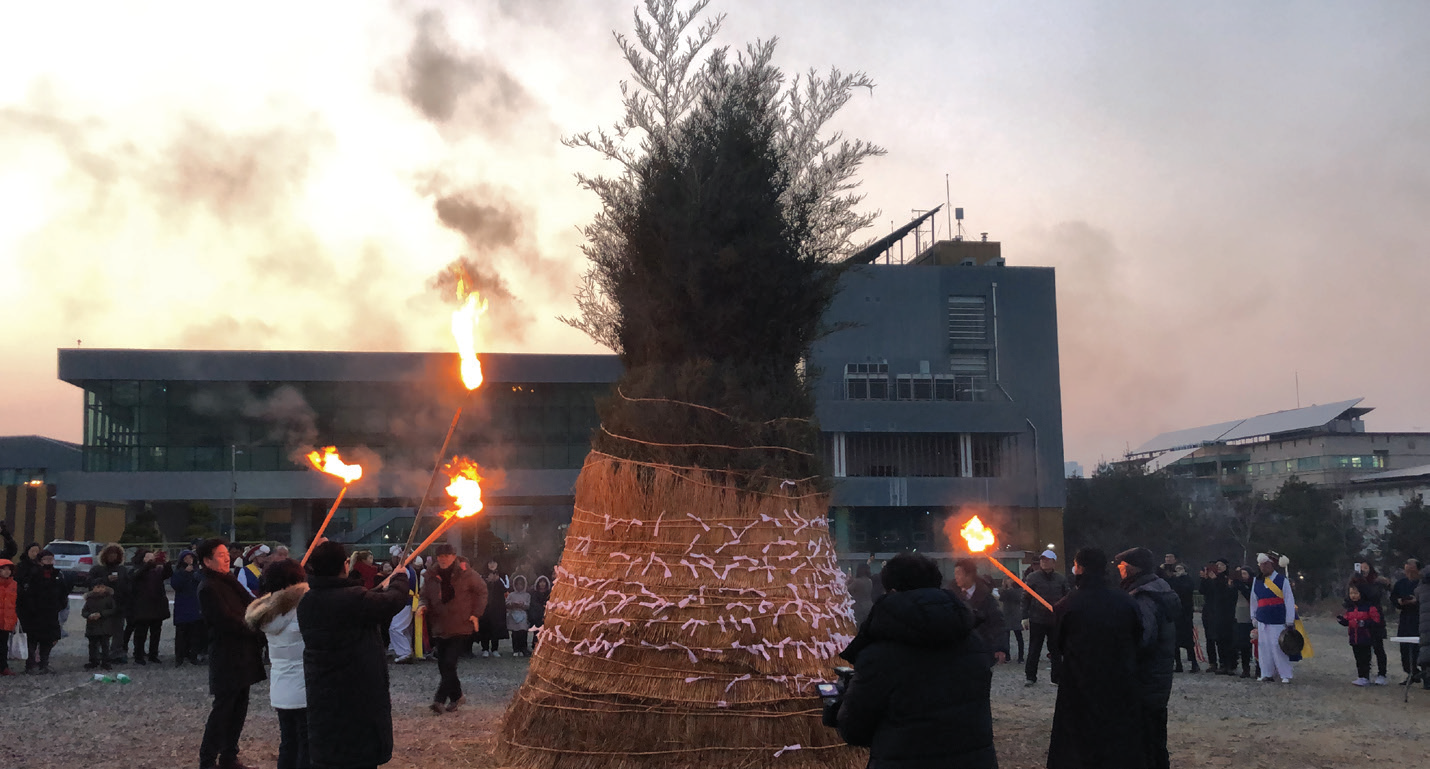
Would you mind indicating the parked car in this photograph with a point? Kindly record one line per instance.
(74, 559)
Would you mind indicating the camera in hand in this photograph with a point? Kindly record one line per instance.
(832, 695)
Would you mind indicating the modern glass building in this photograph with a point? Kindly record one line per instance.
(166, 428)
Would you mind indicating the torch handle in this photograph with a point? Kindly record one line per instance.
(324, 527)
(432, 481)
(441, 527)
(1027, 589)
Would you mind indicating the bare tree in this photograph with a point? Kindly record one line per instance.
(667, 79)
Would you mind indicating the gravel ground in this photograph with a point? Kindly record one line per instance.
(1319, 720)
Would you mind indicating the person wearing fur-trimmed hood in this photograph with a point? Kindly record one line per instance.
(275, 614)
(1273, 608)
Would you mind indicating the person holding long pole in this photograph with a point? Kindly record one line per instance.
(453, 600)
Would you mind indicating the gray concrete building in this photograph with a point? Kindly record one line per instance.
(939, 397)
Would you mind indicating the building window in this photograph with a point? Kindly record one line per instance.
(1371, 516)
(987, 455)
(866, 381)
(903, 455)
(967, 320)
(969, 369)
(1308, 463)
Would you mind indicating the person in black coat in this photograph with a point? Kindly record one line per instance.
(1402, 599)
(150, 604)
(1097, 722)
(977, 592)
(39, 599)
(235, 655)
(1158, 608)
(494, 620)
(1219, 617)
(1181, 583)
(920, 694)
(1012, 598)
(345, 662)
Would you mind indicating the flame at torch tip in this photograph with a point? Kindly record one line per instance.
(464, 330)
(466, 488)
(329, 462)
(978, 536)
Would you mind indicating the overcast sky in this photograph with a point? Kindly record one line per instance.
(1231, 192)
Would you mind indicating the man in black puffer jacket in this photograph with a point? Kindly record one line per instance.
(920, 692)
(1158, 606)
(345, 662)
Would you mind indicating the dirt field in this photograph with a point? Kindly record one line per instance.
(1319, 720)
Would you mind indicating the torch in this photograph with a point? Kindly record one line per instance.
(464, 330)
(328, 461)
(980, 538)
(466, 488)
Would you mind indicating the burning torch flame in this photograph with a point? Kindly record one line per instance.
(466, 488)
(978, 536)
(464, 329)
(329, 462)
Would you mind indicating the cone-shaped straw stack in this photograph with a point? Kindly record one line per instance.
(700, 651)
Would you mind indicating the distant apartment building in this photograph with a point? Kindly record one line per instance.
(1326, 445)
(1373, 497)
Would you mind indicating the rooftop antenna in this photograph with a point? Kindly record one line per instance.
(958, 214)
(1298, 388)
(947, 202)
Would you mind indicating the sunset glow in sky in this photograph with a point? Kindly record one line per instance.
(1232, 193)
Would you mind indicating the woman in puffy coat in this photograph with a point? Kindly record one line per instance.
(275, 614)
(188, 622)
(42, 596)
(151, 604)
(921, 691)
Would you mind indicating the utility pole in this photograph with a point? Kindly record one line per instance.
(233, 492)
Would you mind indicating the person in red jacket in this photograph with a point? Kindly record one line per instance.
(1363, 621)
(8, 617)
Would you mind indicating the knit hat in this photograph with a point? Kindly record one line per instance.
(255, 551)
(446, 549)
(6, 562)
(1139, 557)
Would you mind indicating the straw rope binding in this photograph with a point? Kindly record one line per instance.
(688, 623)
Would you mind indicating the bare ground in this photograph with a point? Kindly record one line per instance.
(1319, 720)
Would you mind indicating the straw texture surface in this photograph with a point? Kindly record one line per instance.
(687, 625)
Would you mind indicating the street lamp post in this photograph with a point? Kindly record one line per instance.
(233, 453)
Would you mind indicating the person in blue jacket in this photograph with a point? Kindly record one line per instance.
(188, 622)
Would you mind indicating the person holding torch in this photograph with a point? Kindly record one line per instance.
(453, 600)
(1047, 583)
(344, 663)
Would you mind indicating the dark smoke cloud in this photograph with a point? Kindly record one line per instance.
(505, 313)
(285, 411)
(248, 183)
(484, 224)
(459, 89)
(1119, 362)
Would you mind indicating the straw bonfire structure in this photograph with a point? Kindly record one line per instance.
(698, 599)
